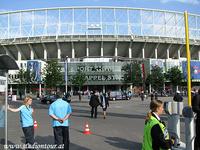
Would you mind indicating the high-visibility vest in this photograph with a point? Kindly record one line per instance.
(147, 139)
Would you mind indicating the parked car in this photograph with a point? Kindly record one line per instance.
(118, 95)
(48, 99)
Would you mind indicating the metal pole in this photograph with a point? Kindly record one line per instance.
(40, 89)
(66, 61)
(6, 112)
(188, 57)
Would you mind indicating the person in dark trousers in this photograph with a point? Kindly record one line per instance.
(196, 109)
(178, 97)
(60, 112)
(156, 96)
(142, 96)
(94, 103)
(26, 119)
(156, 136)
(152, 96)
(104, 104)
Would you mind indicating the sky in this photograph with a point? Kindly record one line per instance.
(192, 6)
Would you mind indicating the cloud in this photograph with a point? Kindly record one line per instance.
(193, 2)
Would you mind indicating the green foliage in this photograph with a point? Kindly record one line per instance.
(79, 79)
(156, 78)
(25, 77)
(132, 73)
(126, 69)
(174, 75)
(136, 74)
(52, 74)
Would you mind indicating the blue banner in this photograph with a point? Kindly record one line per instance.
(195, 69)
(35, 69)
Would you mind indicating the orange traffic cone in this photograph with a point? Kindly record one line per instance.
(87, 129)
(35, 124)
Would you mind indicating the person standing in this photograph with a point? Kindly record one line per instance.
(26, 119)
(104, 103)
(94, 103)
(178, 97)
(60, 112)
(156, 136)
(196, 109)
(152, 96)
(142, 96)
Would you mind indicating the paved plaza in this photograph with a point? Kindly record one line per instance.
(121, 130)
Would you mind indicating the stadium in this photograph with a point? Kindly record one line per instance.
(99, 40)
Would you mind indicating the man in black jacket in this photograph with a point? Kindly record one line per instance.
(196, 109)
(94, 103)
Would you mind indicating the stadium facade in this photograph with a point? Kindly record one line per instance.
(99, 40)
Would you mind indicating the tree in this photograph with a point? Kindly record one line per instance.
(136, 74)
(132, 73)
(52, 74)
(79, 79)
(175, 76)
(156, 78)
(24, 79)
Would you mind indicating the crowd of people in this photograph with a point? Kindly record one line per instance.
(155, 137)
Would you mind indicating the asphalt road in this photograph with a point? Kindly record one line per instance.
(121, 130)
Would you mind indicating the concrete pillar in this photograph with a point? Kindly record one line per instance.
(73, 53)
(45, 51)
(143, 53)
(199, 54)
(130, 52)
(156, 53)
(179, 53)
(59, 53)
(101, 49)
(19, 55)
(167, 53)
(45, 54)
(32, 55)
(116, 52)
(73, 50)
(87, 50)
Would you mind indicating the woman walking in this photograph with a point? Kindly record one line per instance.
(26, 119)
(104, 104)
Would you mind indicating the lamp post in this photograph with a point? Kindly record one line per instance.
(66, 65)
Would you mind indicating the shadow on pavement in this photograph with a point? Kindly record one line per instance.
(123, 143)
(50, 140)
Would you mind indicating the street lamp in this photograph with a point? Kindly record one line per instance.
(66, 70)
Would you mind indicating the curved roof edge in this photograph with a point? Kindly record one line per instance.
(103, 7)
(7, 63)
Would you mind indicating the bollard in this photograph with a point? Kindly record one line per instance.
(189, 127)
(174, 110)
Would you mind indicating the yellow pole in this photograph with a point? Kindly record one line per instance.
(188, 57)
